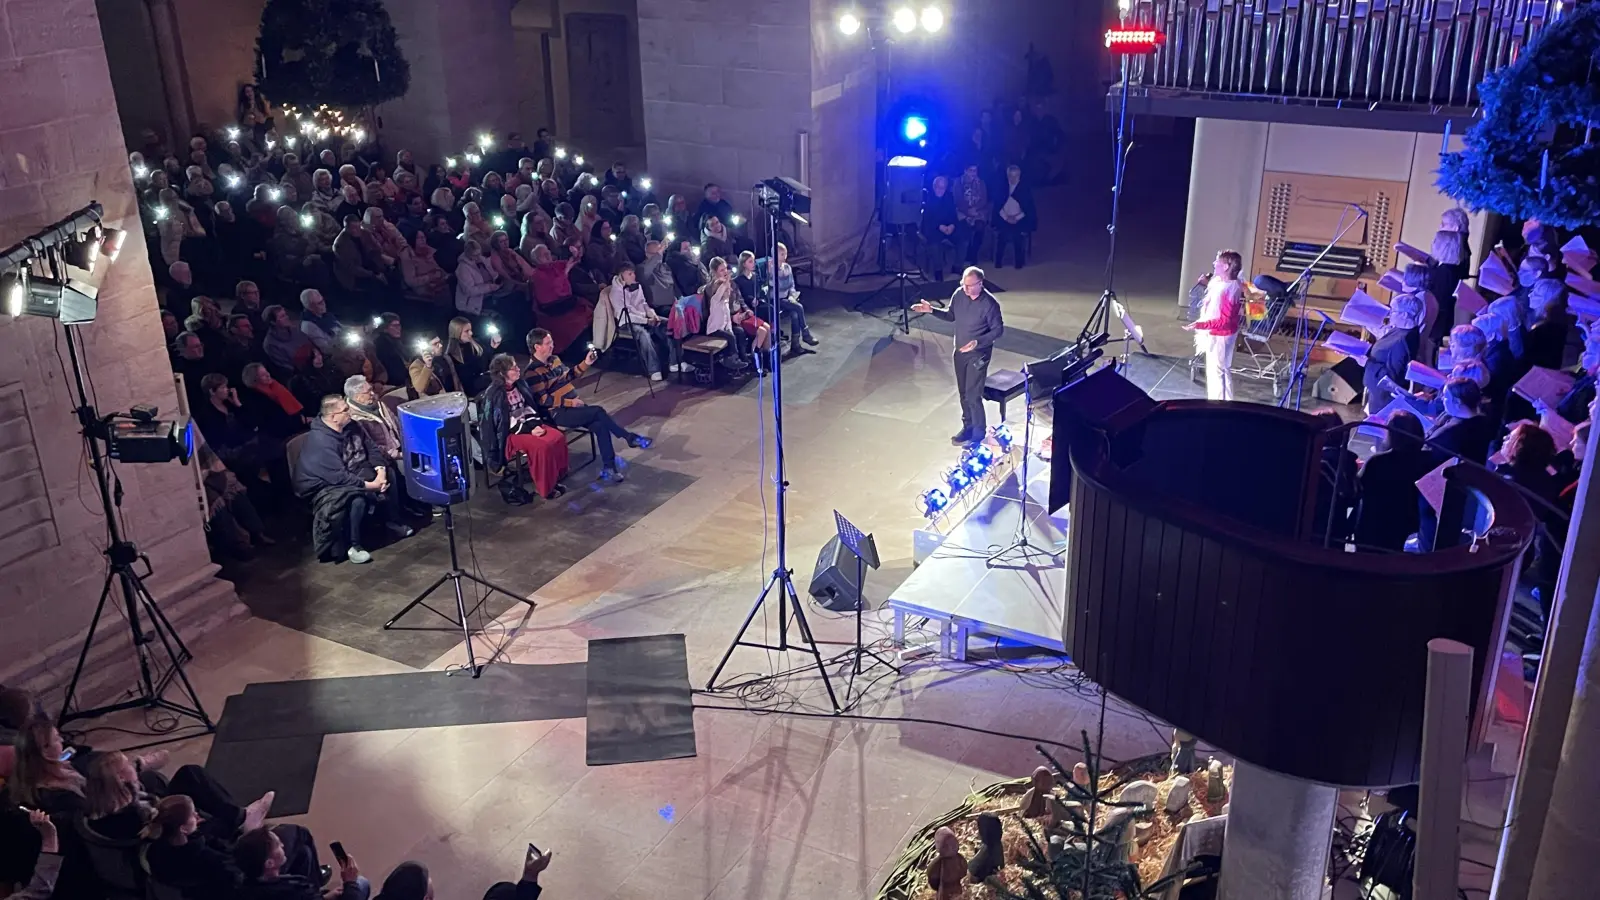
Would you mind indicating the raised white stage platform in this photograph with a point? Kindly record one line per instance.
(1022, 597)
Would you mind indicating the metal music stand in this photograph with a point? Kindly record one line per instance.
(865, 550)
(1049, 372)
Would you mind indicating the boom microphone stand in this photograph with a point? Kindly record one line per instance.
(1300, 354)
(781, 582)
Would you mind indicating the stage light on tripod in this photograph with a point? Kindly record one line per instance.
(932, 19)
(905, 20)
(933, 501)
(849, 23)
(914, 128)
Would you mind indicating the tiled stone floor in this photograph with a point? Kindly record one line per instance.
(773, 806)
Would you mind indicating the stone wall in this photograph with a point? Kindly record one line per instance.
(218, 40)
(60, 147)
(462, 55)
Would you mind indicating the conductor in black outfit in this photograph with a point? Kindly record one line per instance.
(976, 315)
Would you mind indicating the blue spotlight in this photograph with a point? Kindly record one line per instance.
(957, 480)
(934, 500)
(914, 128)
(975, 465)
(1003, 436)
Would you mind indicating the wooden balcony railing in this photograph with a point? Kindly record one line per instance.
(1427, 53)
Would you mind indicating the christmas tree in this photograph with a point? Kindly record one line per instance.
(342, 53)
(1530, 156)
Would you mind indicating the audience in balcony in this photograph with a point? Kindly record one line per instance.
(1387, 514)
(1393, 352)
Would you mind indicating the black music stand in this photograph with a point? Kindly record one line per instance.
(865, 550)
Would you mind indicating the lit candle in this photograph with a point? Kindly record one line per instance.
(644, 183)
(648, 223)
(233, 133)
(141, 172)
(577, 160)
(736, 219)
(561, 153)
(485, 140)
(307, 220)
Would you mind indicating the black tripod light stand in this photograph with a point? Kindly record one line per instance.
(455, 575)
(159, 651)
(778, 202)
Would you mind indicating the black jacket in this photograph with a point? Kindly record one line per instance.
(1574, 406)
(289, 887)
(1024, 195)
(496, 424)
(1467, 438)
(331, 458)
(1388, 511)
(1390, 356)
(199, 870)
(939, 211)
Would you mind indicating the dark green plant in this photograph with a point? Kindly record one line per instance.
(343, 53)
(1089, 858)
(1530, 155)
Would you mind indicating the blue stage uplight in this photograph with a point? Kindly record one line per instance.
(957, 480)
(934, 500)
(985, 453)
(1003, 436)
(915, 128)
(975, 465)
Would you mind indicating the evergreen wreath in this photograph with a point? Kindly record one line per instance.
(343, 53)
(1544, 103)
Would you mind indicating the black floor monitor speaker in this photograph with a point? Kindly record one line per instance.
(902, 201)
(434, 454)
(1341, 383)
(834, 581)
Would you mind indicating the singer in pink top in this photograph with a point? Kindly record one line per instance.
(1217, 327)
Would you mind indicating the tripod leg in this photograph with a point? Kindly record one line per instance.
(164, 631)
(811, 643)
(419, 598)
(711, 683)
(466, 629)
(83, 655)
(495, 587)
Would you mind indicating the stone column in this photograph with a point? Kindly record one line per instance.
(1568, 649)
(174, 81)
(61, 147)
(1567, 864)
(1280, 832)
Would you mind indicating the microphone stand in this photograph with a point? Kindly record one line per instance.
(1300, 354)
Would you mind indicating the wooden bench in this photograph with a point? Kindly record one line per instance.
(708, 346)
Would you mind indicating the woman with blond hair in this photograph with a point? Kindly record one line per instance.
(470, 358)
(184, 856)
(475, 227)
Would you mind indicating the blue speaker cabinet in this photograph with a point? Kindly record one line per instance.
(434, 449)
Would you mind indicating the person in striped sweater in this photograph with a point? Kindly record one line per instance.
(551, 383)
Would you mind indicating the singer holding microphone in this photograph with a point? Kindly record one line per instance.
(976, 314)
(1216, 328)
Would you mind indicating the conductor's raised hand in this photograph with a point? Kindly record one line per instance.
(922, 306)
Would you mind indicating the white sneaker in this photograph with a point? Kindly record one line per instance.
(655, 376)
(358, 555)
